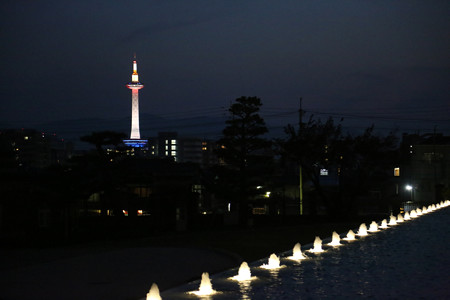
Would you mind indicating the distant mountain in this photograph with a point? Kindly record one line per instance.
(150, 125)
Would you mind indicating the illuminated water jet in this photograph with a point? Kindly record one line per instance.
(317, 246)
(335, 240)
(350, 236)
(244, 273)
(413, 214)
(392, 220)
(297, 253)
(362, 231)
(407, 216)
(205, 288)
(400, 218)
(273, 263)
(383, 224)
(373, 227)
(153, 294)
(418, 211)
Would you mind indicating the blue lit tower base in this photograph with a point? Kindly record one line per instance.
(135, 143)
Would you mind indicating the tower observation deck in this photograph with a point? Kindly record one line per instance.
(135, 86)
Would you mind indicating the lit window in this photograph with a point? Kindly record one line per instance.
(173, 147)
(167, 142)
(174, 142)
(26, 138)
(173, 153)
(167, 147)
(167, 153)
(396, 172)
(323, 172)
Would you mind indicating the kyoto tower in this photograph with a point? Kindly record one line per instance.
(135, 86)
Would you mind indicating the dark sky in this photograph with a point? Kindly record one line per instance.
(383, 62)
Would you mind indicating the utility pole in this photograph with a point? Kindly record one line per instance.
(300, 127)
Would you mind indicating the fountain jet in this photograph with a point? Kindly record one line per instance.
(205, 288)
(392, 220)
(335, 240)
(244, 273)
(383, 224)
(297, 253)
(362, 231)
(400, 218)
(350, 236)
(153, 294)
(373, 227)
(317, 246)
(407, 216)
(274, 262)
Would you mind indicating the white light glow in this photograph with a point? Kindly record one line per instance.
(244, 273)
(335, 240)
(317, 246)
(297, 253)
(153, 294)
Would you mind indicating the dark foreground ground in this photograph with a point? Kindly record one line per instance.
(125, 269)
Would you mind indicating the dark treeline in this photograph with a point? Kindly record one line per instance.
(108, 193)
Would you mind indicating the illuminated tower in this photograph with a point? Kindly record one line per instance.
(135, 86)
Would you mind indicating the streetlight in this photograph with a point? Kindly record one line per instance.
(409, 188)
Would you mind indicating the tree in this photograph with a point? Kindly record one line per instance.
(103, 138)
(314, 146)
(361, 162)
(243, 151)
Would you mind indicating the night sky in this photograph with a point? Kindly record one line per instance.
(382, 62)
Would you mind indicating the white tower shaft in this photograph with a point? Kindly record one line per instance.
(135, 86)
(135, 133)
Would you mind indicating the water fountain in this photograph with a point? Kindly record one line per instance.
(274, 262)
(362, 231)
(317, 246)
(244, 273)
(413, 214)
(383, 224)
(424, 210)
(297, 253)
(400, 218)
(350, 236)
(205, 288)
(392, 220)
(418, 212)
(373, 227)
(153, 294)
(407, 216)
(335, 240)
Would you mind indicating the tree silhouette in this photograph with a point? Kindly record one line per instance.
(243, 151)
(103, 138)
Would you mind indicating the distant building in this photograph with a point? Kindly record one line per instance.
(30, 149)
(424, 173)
(183, 149)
